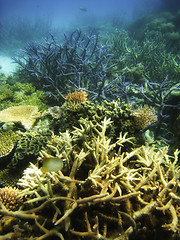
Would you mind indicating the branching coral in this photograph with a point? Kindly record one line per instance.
(79, 61)
(77, 97)
(103, 191)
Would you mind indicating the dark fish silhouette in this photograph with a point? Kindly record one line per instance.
(83, 9)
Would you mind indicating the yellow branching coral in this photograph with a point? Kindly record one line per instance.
(10, 197)
(77, 97)
(144, 116)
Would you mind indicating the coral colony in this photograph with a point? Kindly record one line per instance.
(88, 143)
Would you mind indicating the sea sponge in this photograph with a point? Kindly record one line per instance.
(25, 114)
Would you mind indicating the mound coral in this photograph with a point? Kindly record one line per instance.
(10, 197)
(144, 116)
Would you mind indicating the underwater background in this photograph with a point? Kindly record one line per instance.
(90, 119)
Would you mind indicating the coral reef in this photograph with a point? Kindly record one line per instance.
(25, 114)
(71, 115)
(99, 161)
(59, 67)
(102, 192)
(14, 92)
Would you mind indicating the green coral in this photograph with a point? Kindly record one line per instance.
(8, 140)
(71, 115)
(28, 148)
(154, 57)
(9, 177)
(18, 93)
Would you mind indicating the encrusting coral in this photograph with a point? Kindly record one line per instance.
(103, 190)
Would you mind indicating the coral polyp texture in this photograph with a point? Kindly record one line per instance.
(77, 96)
(105, 190)
(8, 140)
(10, 197)
(144, 116)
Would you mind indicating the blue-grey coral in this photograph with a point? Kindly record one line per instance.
(58, 67)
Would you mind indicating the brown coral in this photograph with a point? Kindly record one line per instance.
(144, 116)
(77, 97)
(10, 197)
(25, 114)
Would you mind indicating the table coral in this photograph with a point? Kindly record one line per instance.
(25, 114)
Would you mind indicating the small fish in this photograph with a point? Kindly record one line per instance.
(83, 9)
(48, 164)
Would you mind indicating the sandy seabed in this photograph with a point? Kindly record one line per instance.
(7, 66)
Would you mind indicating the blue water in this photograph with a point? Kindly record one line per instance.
(23, 21)
(66, 11)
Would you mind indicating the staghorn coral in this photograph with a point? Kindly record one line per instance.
(77, 96)
(71, 115)
(103, 191)
(79, 61)
(25, 114)
(10, 197)
(144, 116)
